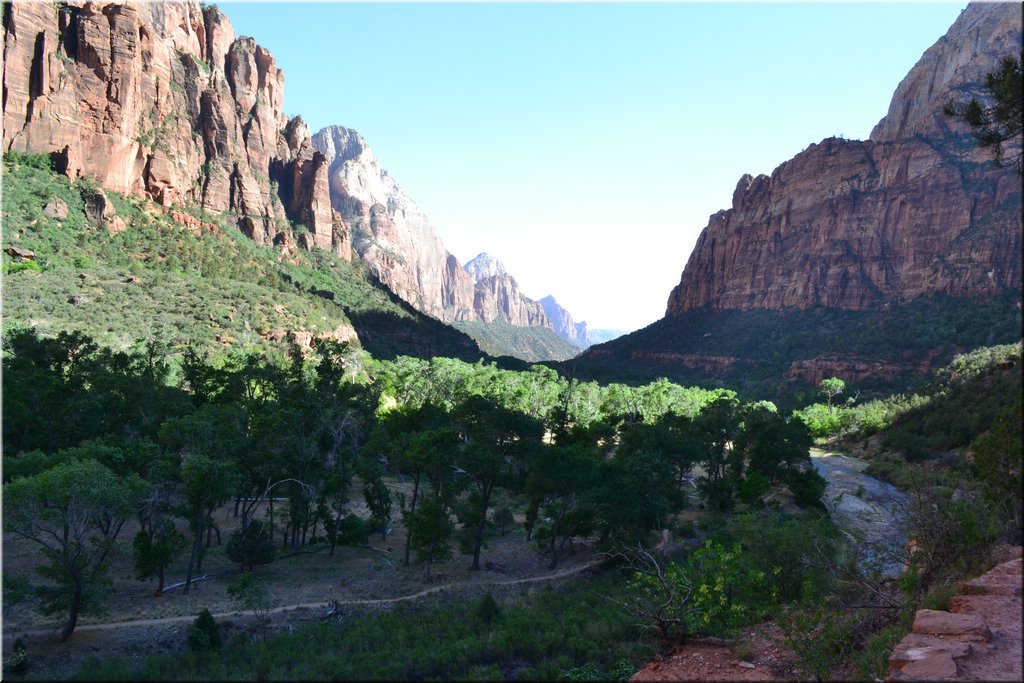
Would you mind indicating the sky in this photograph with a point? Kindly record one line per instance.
(585, 145)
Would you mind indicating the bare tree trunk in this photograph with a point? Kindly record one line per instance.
(196, 543)
(485, 496)
(412, 509)
(74, 608)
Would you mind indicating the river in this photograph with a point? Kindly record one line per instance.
(870, 510)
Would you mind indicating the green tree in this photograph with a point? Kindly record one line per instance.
(493, 443)
(708, 593)
(250, 545)
(999, 457)
(204, 633)
(74, 512)
(413, 441)
(997, 124)
(561, 479)
(250, 593)
(717, 425)
(832, 387)
(207, 484)
(154, 547)
(430, 529)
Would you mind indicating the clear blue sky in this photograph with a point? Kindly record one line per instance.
(585, 145)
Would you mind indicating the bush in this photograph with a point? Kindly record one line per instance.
(872, 664)
(487, 611)
(250, 546)
(204, 634)
(820, 637)
(22, 265)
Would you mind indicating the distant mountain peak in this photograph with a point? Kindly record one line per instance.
(483, 266)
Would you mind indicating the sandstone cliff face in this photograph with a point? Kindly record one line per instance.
(163, 100)
(915, 210)
(497, 296)
(563, 324)
(390, 232)
(402, 248)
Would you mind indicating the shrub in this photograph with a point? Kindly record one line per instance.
(487, 610)
(872, 664)
(250, 546)
(204, 634)
(820, 637)
(22, 265)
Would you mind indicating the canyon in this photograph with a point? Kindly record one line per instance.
(918, 212)
(164, 101)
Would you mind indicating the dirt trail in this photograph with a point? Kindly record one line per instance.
(86, 628)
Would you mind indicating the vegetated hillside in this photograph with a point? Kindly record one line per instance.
(164, 101)
(761, 353)
(139, 273)
(531, 344)
(975, 394)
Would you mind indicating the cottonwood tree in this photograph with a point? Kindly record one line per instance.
(832, 387)
(493, 440)
(717, 424)
(562, 478)
(74, 512)
(413, 440)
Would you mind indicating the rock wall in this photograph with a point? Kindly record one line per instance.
(563, 324)
(915, 210)
(164, 100)
(403, 249)
(977, 639)
(496, 295)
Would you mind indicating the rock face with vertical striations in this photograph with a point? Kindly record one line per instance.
(915, 210)
(497, 296)
(563, 324)
(163, 100)
(390, 232)
(400, 245)
(875, 260)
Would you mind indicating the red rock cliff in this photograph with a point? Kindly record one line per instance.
(163, 100)
(915, 210)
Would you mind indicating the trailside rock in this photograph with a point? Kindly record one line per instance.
(978, 639)
(937, 622)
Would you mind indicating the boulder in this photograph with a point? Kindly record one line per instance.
(937, 622)
(56, 208)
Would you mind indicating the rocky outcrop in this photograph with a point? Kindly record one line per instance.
(496, 295)
(563, 324)
(978, 639)
(812, 371)
(403, 249)
(390, 232)
(163, 100)
(856, 225)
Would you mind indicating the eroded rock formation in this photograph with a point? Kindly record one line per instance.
(563, 324)
(163, 100)
(496, 295)
(403, 249)
(977, 639)
(917, 209)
